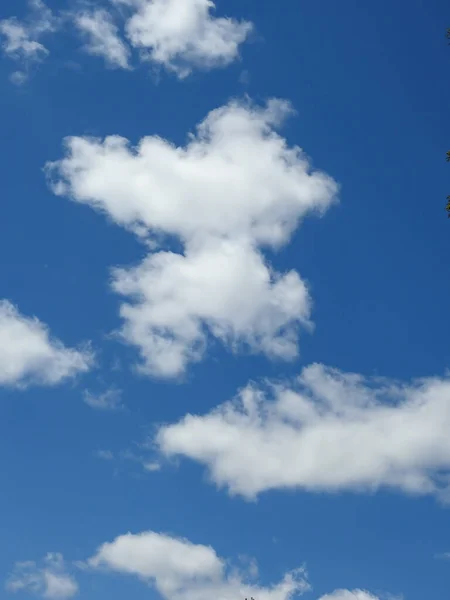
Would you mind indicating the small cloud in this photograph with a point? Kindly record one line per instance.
(124, 459)
(21, 39)
(442, 556)
(351, 595)
(29, 354)
(51, 580)
(197, 39)
(18, 77)
(102, 38)
(108, 400)
(244, 77)
(151, 466)
(104, 454)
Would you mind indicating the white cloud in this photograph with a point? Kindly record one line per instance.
(177, 568)
(181, 570)
(225, 286)
(111, 399)
(349, 595)
(103, 37)
(167, 560)
(17, 40)
(21, 39)
(29, 355)
(235, 188)
(49, 581)
(18, 77)
(330, 431)
(236, 178)
(184, 34)
(178, 35)
(105, 454)
(181, 35)
(151, 466)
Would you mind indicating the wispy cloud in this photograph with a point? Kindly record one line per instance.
(51, 580)
(22, 40)
(110, 399)
(102, 37)
(104, 454)
(177, 35)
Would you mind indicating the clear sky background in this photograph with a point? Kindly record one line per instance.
(81, 459)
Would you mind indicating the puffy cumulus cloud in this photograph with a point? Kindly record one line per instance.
(21, 39)
(51, 580)
(102, 37)
(330, 431)
(235, 188)
(236, 178)
(29, 355)
(224, 286)
(181, 570)
(177, 568)
(184, 34)
(168, 560)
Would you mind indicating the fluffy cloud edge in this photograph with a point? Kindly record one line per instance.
(198, 41)
(102, 37)
(21, 39)
(177, 568)
(235, 188)
(29, 355)
(327, 431)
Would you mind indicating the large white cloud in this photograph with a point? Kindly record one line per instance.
(328, 431)
(184, 34)
(51, 580)
(236, 178)
(181, 570)
(28, 354)
(235, 188)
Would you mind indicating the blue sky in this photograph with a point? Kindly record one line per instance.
(345, 475)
